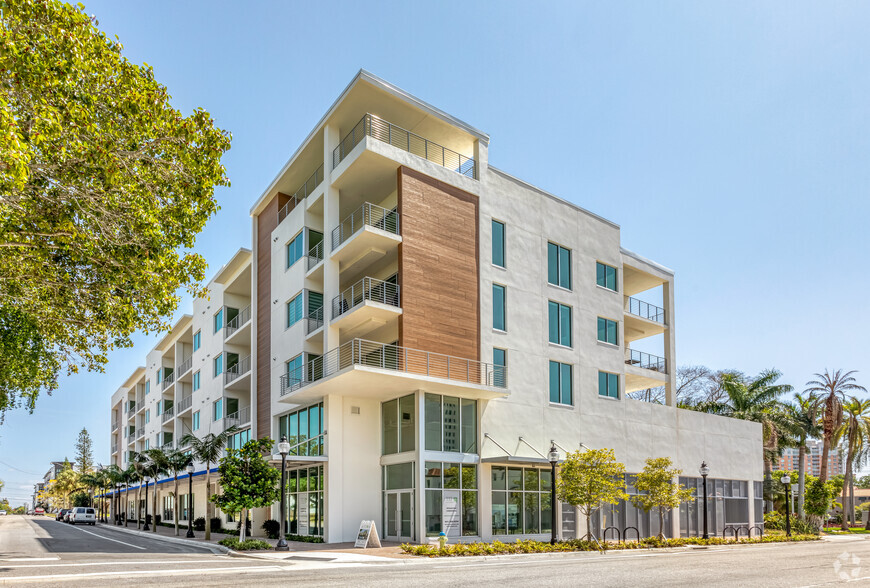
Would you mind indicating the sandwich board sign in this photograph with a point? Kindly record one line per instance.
(367, 536)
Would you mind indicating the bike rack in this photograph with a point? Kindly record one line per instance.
(744, 528)
(625, 533)
(725, 531)
(759, 528)
(618, 534)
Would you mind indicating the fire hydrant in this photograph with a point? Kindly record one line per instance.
(442, 540)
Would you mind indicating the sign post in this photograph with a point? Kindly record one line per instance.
(367, 536)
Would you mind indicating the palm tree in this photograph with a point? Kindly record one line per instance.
(208, 450)
(157, 465)
(852, 433)
(113, 476)
(129, 476)
(138, 463)
(89, 481)
(756, 400)
(804, 413)
(832, 389)
(176, 462)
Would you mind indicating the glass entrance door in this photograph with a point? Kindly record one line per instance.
(399, 515)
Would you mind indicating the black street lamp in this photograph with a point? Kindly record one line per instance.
(283, 449)
(704, 470)
(118, 501)
(786, 481)
(146, 527)
(553, 456)
(190, 534)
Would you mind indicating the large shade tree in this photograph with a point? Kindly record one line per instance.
(103, 189)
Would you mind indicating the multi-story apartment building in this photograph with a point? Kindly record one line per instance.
(424, 326)
(789, 460)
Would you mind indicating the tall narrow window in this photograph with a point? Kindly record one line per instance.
(196, 381)
(608, 384)
(295, 309)
(197, 340)
(148, 415)
(560, 324)
(605, 276)
(218, 320)
(607, 332)
(561, 383)
(559, 265)
(147, 386)
(498, 307)
(499, 369)
(498, 243)
(296, 248)
(218, 365)
(218, 409)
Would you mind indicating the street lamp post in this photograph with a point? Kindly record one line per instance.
(704, 470)
(146, 527)
(118, 501)
(553, 457)
(283, 449)
(786, 481)
(190, 534)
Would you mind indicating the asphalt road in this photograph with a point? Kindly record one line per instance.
(40, 551)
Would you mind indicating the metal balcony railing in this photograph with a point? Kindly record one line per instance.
(237, 419)
(646, 360)
(185, 365)
(302, 193)
(168, 380)
(314, 321)
(237, 322)
(382, 130)
(238, 370)
(366, 289)
(131, 409)
(131, 435)
(315, 255)
(184, 404)
(367, 214)
(168, 413)
(114, 425)
(140, 432)
(645, 310)
(114, 448)
(167, 446)
(392, 357)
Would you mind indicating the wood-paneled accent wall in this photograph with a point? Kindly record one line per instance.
(439, 272)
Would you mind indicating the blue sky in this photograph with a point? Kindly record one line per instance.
(729, 140)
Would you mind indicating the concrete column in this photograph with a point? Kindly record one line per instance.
(331, 219)
(675, 515)
(670, 343)
(481, 156)
(420, 472)
(333, 499)
(255, 434)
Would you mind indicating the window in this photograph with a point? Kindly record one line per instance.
(499, 362)
(295, 309)
(197, 340)
(301, 426)
(608, 385)
(147, 386)
(605, 276)
(159, 405)
(521, 500)
(218, 409)
(559, 265)
(196, 421)
(561, 383)
(497, 243)
(218, 365)
(305, 514)
(238, 440)
(560, 324)
(159, 375)
(445, 477)
(296, 248)
(498, 307)
(147, 444)
(147, 416)
(607, 331)
(196, 381)
(219, 320)
(398, 423)
(294, 371)
(450, 424)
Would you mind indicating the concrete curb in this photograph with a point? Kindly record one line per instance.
(213, 547)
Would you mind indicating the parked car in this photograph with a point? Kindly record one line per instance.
(2, 513)
(61, 514)
(39, 511)
(83, 514)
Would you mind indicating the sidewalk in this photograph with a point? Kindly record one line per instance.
(299, 550)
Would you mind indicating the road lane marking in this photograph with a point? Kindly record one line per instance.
(125, 562)
(108, 538)
(30, 559)
(60, 577)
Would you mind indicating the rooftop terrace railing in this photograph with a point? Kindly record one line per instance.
(646, 360)
(302, 193)
(367, 214)
(375, 127)
(645, 310)
(365, 289)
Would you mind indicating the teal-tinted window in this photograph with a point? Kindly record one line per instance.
(196, 381)
(147, 386)
(499, 362)
(295, 309)
(398, 425)
(148, 416)
(296, 248)
(159, 375)
(498, 243)
(197, 340)
(561, 383)
(605, 276)
(196, 421)
(558, 265)
(219, 320)
(315, 305)
(608, 384)
(303, 429)
(498, 307)
(607, 331)
(294, 370)
(159, 406)
(560, 323)
(218, 365)
(218, 409)
(238, 440)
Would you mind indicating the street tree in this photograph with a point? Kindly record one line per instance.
(157, 465)
(804, 414)
(176, 462)
(852, 434)
(658, 487)
(590, 479)
(104, 186)
(247, 480)
(208, 450)
(84, 452)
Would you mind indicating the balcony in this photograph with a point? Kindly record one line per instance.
(368, 368)
(237, 419)
(184, 367)
(377, 128)
(183, 405)
(168, 380)
(168, 414)
(315, 256)
(314, 320)
(114, 426)
(140, 432)
(304, 191)
(167, 446)
(644, 370)
(642, 319)
(132, 409)
(131, 436)
(237, 371)
(241, 324)
(367, 235)
(114, 448)
(367, 305)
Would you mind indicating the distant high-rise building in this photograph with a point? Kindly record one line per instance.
(813, 459)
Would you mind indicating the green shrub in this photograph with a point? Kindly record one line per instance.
(246, 545)
(199, 524)
(304, 538)
(774, 520)
(272, 528)
(215, 525)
